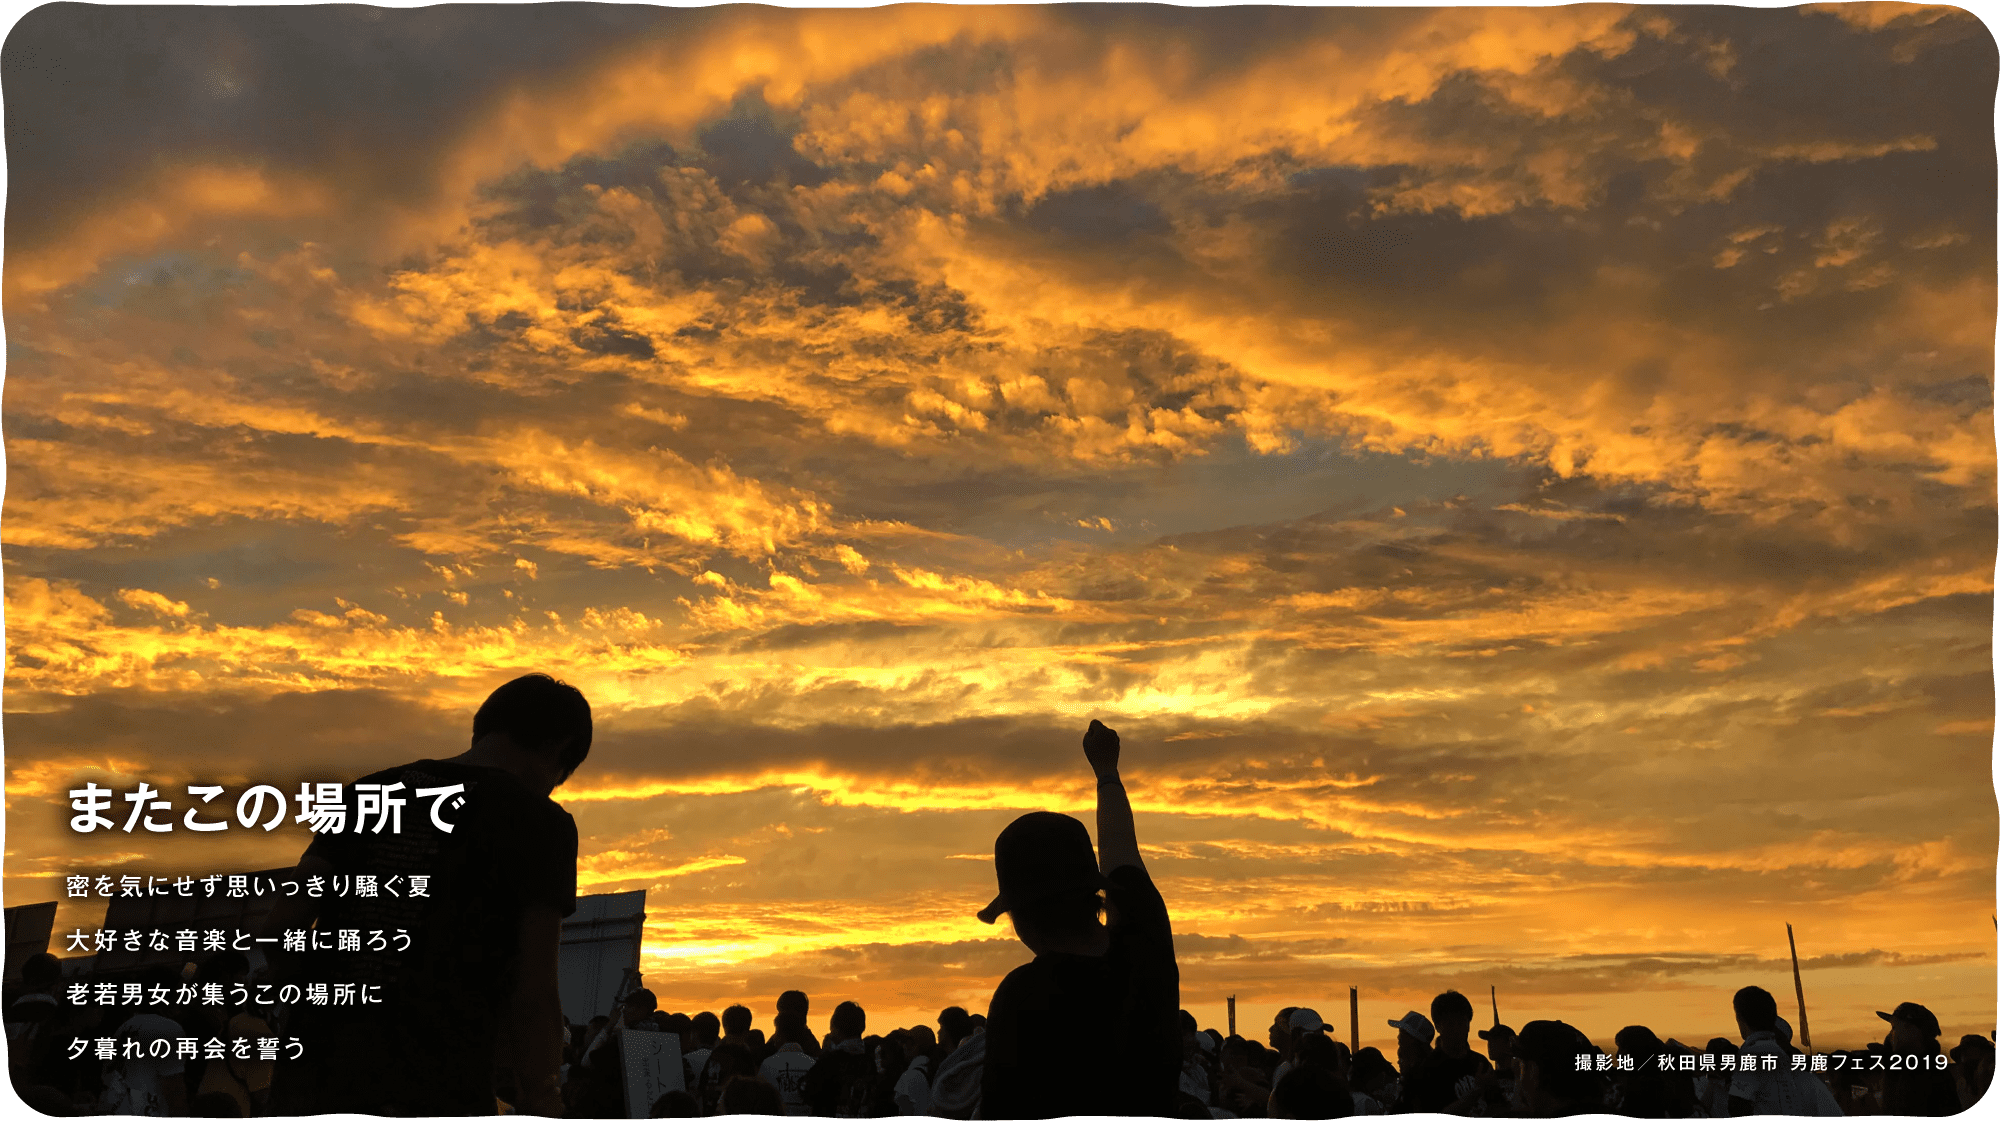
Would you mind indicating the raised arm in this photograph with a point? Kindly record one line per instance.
(1117, 838)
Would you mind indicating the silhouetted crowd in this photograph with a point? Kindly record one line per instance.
(731, 1067)
(1092, 1026)
(1546, 1069)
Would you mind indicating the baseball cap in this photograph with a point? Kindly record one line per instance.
(1039, 855)
(1305, 1019)
(1497, 1031)
(1916, 1014)
(1417, 1025)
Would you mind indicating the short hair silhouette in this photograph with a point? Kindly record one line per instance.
(41, 971)
(849, 1020)
(1756, 1008)
(536, 711)
(736, 1019)
(1452, 1005)
(1316, 1050)
(751, 1094)
(792, 1000)
(706, 1027)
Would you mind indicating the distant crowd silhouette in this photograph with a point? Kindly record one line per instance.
(1092, 1026)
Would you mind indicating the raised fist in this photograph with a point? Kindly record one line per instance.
(1100, 746)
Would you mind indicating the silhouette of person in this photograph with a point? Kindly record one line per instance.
(1310, 1090)
(1917, 1083)
(1545, 1070)
(475, 986)
(1121, 976)
(1448, 1081)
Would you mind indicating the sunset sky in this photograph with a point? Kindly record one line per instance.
(1521, 481)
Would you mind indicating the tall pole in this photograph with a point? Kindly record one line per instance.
(1232, 1015)
(1805, 1033)
(1353, 1020)
(1494, 992)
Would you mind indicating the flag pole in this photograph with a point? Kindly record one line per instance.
(1495, 994)
(1353, 1020)
(1798, 986)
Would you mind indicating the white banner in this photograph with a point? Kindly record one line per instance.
(652, 1067)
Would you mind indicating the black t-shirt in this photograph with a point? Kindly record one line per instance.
(429, 1047)
(1068, 1034)
(1435, 1085)
(841, 1083)
(1920, 1091)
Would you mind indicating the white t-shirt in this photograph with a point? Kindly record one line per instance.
(696, 1062)
(786, 1069)
(136, 1086)
(913, 1091)
(1194, 1080)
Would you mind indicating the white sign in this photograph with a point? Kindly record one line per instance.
(652, 1067)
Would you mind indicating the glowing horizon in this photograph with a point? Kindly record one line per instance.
(1521, 481)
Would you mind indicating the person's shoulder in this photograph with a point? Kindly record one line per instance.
(1027, 974)
(389, 775)
(1135, 894)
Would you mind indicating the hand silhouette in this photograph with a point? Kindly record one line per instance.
(1100, 746)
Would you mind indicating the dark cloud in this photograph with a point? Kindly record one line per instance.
(1527, 507)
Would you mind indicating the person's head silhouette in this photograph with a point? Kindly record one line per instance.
(1049, 881)
(536, 726)
(736, 1021)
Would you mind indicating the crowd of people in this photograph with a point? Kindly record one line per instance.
(1091, 1026)
(731, 1067)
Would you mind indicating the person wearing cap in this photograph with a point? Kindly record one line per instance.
(1120, 977)
(1916, 1083)
(1545, 1070)
(1413, 1052)
(1764, 1081)
(1280, 1035)
(1498, 1098)
(1300, 1023)
(1447, 1078)
(1972, 1068)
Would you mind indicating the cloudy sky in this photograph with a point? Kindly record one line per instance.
(1520, 480)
